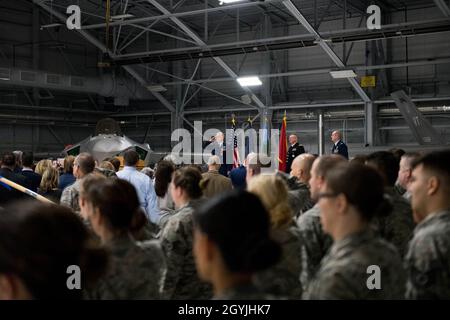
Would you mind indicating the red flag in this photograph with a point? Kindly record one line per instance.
(282, 146)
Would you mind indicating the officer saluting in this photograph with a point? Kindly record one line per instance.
(294, 150)
(339, 147)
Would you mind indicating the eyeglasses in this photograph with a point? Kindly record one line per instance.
(327, 195)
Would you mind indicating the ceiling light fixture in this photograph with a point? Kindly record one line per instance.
(221, 2)
(343, 74)
(156, 88)
(249, 81)
(122, 16)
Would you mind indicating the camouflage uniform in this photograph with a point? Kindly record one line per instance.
(299, 196)
(283, 279)
(135, 271)
(182, 281)
(106, 172)
(428, 259)
(316, 243)
(344, 273)
(398, 226)
(70, 195)
(244, 292)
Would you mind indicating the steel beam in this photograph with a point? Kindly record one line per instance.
(201, 43)
(443, 7)
(103, 48)
(297, 14)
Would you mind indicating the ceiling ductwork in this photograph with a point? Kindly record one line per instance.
(122, 89)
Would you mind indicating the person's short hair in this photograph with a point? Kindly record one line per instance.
(239, 225)
(18, 155)
(131, 157)
(410, 158)
(359, 158)
(68, 164)
(27, 159)
(438, 163)
(106, 165)
(214, 160)
(8, 159)
(328, 162)
(38, 243)
(188, 178)
(85, 162)
(387, 165)
(397, 152)
(362, 186)
(253, 162)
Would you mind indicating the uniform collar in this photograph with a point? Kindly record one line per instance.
(433, 218)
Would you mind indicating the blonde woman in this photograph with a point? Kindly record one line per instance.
(283, 279)
(49, 185)
(42, 165)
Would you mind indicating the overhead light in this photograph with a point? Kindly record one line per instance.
(51, 25)
(156, 88)
(122, 16)
(249, 81)
(221, 2)
(343, 74)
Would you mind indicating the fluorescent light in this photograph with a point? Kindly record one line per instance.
(343, 74)
(156, 88)
(51, 25)
(221, 2)
(122, 16)
(249, 81)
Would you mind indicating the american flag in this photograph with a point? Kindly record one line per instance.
(236, 161)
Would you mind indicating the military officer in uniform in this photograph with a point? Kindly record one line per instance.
(428, 259)
(294, 150)
(339, 147)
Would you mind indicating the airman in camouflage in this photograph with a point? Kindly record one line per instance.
(398, 226)
(70, 196)
(299, 195)
(135, 271)
(316, 243)
(344, 272)
(181, 281)
(283, 279)
(428, 259)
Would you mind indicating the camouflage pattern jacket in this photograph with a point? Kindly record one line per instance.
(283, 279)
(181, 281)
(316, 243)
(428, 259)
(135, 271)
(346, 272)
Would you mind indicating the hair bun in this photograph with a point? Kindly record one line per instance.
(260, 255)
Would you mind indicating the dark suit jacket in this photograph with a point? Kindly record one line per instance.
(238, 177)
(340, 148)
(33, 179)
(224, 168)
(11, 194)
(293, 152)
